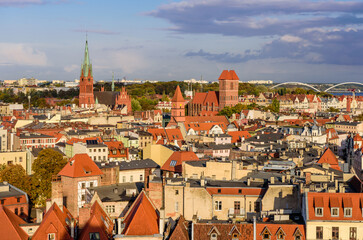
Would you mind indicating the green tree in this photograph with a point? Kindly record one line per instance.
(135, 105)
(275, 106)
(16, 176)
(332, 109)
(48, 163)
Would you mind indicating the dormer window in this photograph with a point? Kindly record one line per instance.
(266, 234)
(347, 212)
(335, 212)
(280, 234)
(319, 211)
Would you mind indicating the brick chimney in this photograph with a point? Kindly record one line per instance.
(84, 215)
(307, 178)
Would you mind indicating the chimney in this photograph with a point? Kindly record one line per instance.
(288, 177)
(272, 180)
(84, 215)
(336, 184)
(202, 182)
(248, 181)
(161, 221)
(72, 228)
(119, 226)
(39, 215)
(283, 178)
(307, 178)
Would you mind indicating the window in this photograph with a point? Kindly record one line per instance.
(176, 207)
(83, 197)
(218, 205)
(219, 190)
(21, 210)
(104, 150)
(83, 185)
(280, 235)
(172, 163)
(335, 233)
(110, 208)
(235, 236)
(352, 233)
(239, 190)
(176, 192)
(141, 177)
(20, 159)
(213, 236)
(335, 212)
(237, 207)
(30, 230)
(266, 235)
(99, 150)
(319, 212)
(3, 201)
(131, 178)
(94, 236)
(16, 211)
(90, 150)
(124, 179)
(319, 232)
(18, 199)
(91, 184)
(94, 150)
(347, 212)
(51, 236)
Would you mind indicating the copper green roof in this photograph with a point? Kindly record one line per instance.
(86, 66)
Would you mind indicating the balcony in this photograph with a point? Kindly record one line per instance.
(236, 213)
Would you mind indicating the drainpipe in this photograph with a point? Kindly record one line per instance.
(254, 228)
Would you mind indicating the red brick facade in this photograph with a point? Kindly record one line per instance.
(228, 89)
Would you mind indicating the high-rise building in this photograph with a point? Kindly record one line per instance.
(86, 98)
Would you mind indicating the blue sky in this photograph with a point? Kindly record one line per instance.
(281, 40)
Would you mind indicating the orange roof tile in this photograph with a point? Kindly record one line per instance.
(178, 96)
(99, 222)
(228, 75)
(174, 134)
(81, 165)
(9, 225)
(142, 218)
(199, 98)
(340, 200)
(330, 158)
(57, 220)
(157, 132)
(238, 135)
(174, 163)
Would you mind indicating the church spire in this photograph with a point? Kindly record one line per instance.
(113, 84)
(86, 66)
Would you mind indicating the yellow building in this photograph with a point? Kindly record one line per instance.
(14, 157)
(158, 153)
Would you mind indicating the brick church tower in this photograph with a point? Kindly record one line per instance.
(178, 106)
(86, 98)
(228, 89)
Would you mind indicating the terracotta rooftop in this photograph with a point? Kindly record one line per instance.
(330, 158)
(228, 75)
(174, 163)
(9, 225)
(142, 218)
(178, 96)
(81, 165)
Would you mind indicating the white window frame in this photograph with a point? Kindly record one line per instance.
(351, 211)
(316, 212)
(332, 210)
(218, 205)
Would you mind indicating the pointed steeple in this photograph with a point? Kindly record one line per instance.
(86, 66)
(113, 84)
(178, 96)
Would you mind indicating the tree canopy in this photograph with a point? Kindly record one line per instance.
(48, 163)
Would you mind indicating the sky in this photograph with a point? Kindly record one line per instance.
(309, 41)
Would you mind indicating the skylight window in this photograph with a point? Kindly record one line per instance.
(172, 163)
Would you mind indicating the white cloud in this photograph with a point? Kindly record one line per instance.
(290, 38)
(21, 54)
(71, 68)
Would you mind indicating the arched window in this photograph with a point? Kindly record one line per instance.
(213, 236)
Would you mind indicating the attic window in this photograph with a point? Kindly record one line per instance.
(86, 172)
(94, 236)
(219, 190)
(172, 163)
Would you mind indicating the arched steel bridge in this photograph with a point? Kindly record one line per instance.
(314, 88)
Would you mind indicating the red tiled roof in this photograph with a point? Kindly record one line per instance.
(211, 98)
(357, 137)
(340, 200)
(54, 219)
(288, 229)
(99, 222)
(81, 165)
(174, 134)
(9, 225)
(179, 157)
(74, 140)
(199, 97)
(157, 132)
(178, 96)
(330, 158)
(142, 218)
(237, 135)
(228, 75)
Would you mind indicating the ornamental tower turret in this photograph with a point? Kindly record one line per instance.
(86, 97)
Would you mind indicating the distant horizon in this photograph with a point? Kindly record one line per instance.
(306, 41)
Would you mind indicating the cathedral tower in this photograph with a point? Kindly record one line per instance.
(86, 98)
(228, 89)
